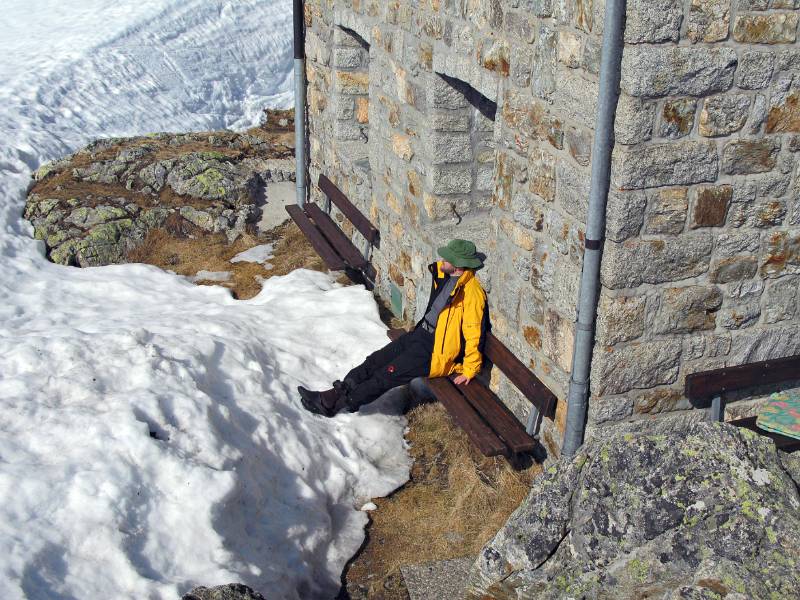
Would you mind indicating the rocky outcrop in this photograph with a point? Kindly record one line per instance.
(704, 511)
(231, 591)
(93, 207)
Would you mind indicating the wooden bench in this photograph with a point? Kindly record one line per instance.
(712, 385)
(329, 241)
(490, 425)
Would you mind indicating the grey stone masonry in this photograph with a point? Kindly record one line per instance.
(445, 118)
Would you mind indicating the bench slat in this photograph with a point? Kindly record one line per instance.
(355, 216)
(482, 436)
(711, 383)
(323, 248)
(527, 383)
(782, 442)
(499, 418)
(343, 246)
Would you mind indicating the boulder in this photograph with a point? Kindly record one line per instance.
(93, 207)
(655, 510)
(231, 591)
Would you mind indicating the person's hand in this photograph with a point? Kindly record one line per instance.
(462, 379)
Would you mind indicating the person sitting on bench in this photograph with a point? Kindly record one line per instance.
(448, 340)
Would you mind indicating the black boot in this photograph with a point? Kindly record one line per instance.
(326, 403)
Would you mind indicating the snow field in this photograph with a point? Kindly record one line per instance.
(151, 438)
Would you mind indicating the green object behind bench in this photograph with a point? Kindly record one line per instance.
(781, 414)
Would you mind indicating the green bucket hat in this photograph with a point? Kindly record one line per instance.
(461, 253)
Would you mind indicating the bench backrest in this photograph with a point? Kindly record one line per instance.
(522, 377)
(726, 379)
(355, 216)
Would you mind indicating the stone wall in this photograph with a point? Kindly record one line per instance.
(701, 262)
(478, 124)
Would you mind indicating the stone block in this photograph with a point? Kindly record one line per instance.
(496, 58)
(544, 62)
(758, 115)
(635, 366)
(521, 67)
(734, 268)
(542, 176)
(349, 131)
(723, 115)
(520, 26)
(518, 236)
(761, 214)
(445, 179)
(772, 28)
(636, 261)
(781, 254)
(653, 22)
(678, 163)
(709, 20)
(352, 83)
(572, 189)
(620, 319)
(755, 69)
(688, 309)
(781, 300)
(764, 344)
(677, 117)
(484, 178)
(576, 96)
(579, 144)
(624, 214)
(609, 409)
(450, 121)
(731, 243)
(559, 338)
(449, 148)
(655, 71)
(532, 119)
(668, 209)
(443, 95)
(362, 110)
(347, 58)
(784, 113)
(660, 400)
(345, 108)
(743, 157)
(634, 120)
(710, 205)
(569, 48)
(401, 146)
(590, 61)
(740, 316)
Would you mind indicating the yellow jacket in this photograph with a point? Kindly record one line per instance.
(461, 327)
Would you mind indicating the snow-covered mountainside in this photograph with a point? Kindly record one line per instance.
(150, 436)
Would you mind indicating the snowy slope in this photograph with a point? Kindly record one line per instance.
(150, 436)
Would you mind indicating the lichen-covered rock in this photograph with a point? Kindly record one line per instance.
(231, 591)
(657, 510)
(95, 206)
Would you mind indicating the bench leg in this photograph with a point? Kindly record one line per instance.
(532, 427)
(717, 411)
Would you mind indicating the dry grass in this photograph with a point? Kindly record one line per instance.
(171, 248)
(454, 503)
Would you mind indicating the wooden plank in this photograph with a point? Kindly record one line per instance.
(343, 246)
(466, 417)
(349, 210)
(782, 442)
(320, 244)
(527, 383)
(711, 383)
(499, 418)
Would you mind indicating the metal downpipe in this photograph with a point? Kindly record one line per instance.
(602, 147)
(299, 103)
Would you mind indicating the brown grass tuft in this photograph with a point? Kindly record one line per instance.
(171, 248)
(454, 503)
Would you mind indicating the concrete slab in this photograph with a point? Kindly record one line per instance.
(438, 580)
(276, 195)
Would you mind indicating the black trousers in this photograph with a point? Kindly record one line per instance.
(395, 364)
